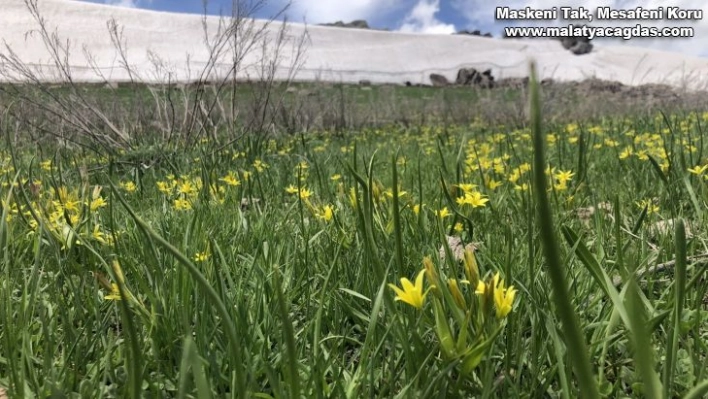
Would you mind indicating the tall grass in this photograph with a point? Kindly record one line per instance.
(261, 268)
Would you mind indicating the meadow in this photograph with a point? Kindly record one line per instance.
(543, 259)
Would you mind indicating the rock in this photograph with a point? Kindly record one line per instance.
(568, 42)
(364, 82)
(358, 24)
(457, 248)
(487, 82)
(438, 80)
(466, 76)
(578, 45)
(408, 83)
(581, 48)
(291, 90)
(586, 214)
(472, 77)
(246, 203)
(475, 32)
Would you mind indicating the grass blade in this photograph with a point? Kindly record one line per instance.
(571, 326)
(289, 336)
(643, 350)
(203, 283)
(679, 300)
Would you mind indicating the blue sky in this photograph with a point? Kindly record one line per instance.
(441, 16)
(435, 16)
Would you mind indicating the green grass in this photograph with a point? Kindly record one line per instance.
(280, 298)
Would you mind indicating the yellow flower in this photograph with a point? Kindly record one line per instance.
(474, 199)
(335, 177)
(611, 143)
(98, 235)
(230, 179)
(650, 205)
(626, 153)
(164, 187)
(471, 268)
(389, 193)
(326, 213)
(503, 297)
(376, 191)
(564, 176)
(201, 256)
(457, 294)
(522, 187)
(114, 295)
(67, 200)
(416, 209)
(698, 170)
(187, 188)
(443, 213)
(493, 184)
(259, 165)
(182, 204)
(128, 186)
(411, 294)
(291, 189)
(560, 186)
(431, 274)
(352, 197)
(305, 193)
(96, 203)
(467, 187)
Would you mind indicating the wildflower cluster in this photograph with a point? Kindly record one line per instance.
(468, 314)
(68, 215)
(182, 192)
(323, 212)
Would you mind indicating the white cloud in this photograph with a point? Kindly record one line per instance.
(322, 11)
(422, 19)
(481, 13)
(123, 3)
